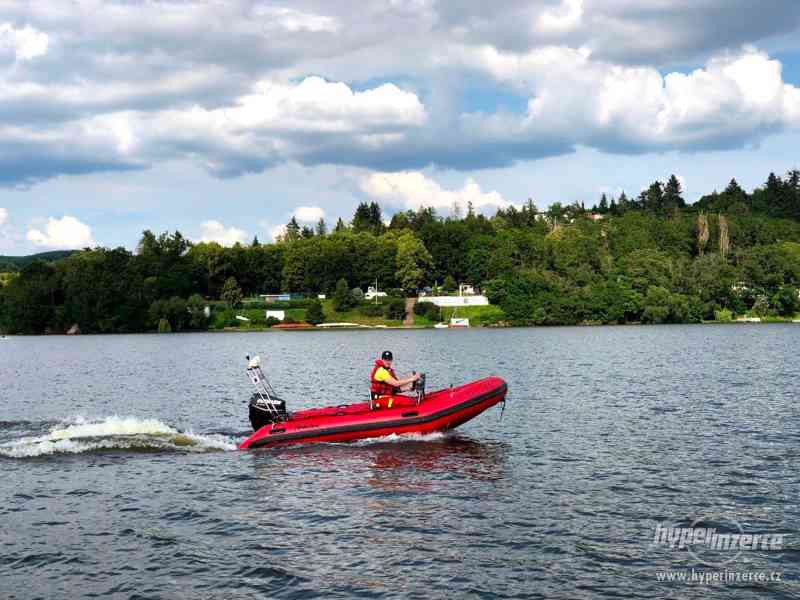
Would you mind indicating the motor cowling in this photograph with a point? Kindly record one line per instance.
(265, 414)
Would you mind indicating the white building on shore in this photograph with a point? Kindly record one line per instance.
(372, 293)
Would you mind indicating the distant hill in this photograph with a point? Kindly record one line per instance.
(16, 263)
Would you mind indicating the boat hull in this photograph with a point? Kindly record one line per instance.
(440, 411)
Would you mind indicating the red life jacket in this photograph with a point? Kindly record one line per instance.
(379, 388)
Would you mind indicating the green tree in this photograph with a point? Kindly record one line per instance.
(652, 199)
(661, 306)
(196, 306)
(231, 293)
(368, 219)
(166, 259)
(770, 266)
(449, 284)
(31, 300)
(576, 252)
(400, 220)
(652, 260)
(295, 266)
(761, 306)
(556, 212)
(526, 297)
(786, 301)
(673, 194)
(342, 297)
(603, 206)
(172, 310)
(623, 203)
(213, 264)
(340, 226)
(645, 268)
(612, 301)
(413, 261)
(103, 291)
(395, 309)
(293, 231)
(657, 305)
(314, 314)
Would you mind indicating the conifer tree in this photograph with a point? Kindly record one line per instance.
(292, 230)
(603, 207)
(673, 197)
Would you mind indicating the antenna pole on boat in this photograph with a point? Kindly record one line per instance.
(267, 396)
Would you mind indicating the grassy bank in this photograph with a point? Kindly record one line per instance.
(767, 319)
(223, 317)
(479, 316)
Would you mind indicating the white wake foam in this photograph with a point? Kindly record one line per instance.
(405, 437)
(114, 433)
(111, 426)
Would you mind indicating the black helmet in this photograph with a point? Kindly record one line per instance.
(387, 355)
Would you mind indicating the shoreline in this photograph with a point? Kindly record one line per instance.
(404, 328)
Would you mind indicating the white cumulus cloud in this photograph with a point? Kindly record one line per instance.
(319, 105)
(566, 18)
(308, 214)
(3, 216)
(26, 42)
(296, 20)
(276, 232)
(276, 122)
(214, 231)
(734, 97)
(66, 232)
(412, 189)
(229, 86)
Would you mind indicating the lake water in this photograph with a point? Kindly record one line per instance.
(120, 477)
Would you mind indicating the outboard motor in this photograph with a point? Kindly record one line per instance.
(265, 406)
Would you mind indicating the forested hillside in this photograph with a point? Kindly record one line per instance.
(11, 264)
(647, 259)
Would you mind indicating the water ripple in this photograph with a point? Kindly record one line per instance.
(608, 432)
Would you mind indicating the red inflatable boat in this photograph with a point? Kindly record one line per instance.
(420, 414)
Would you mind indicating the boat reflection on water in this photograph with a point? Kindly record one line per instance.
(382, 502)
(392, 465)
(397, 466)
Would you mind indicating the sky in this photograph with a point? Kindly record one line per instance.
(224, 118)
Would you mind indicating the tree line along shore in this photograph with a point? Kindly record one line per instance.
(645, 259)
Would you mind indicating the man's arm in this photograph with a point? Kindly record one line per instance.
(400, 383)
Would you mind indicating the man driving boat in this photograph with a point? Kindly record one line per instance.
(384, 382)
